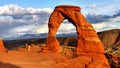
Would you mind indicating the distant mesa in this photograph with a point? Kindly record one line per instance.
(89, 47)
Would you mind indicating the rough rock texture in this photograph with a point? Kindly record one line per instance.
(114, 60)
(85, 62)
(89, 48)
(110, 38)
(2, 48)
(87, 38)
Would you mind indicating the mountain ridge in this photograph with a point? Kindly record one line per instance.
(69, 40)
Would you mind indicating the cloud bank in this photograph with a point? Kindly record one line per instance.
(96, 18)
(16, 21)
(104, 22)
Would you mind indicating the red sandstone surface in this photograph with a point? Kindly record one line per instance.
(2, 48)
(19, 59)
(24, 58)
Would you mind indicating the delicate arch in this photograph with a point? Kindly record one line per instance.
(88, 41)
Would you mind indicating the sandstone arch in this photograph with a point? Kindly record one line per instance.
(88, 41)
(89, 50)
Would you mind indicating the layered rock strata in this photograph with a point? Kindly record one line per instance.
(88, 43)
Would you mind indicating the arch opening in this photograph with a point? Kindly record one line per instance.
(68, 31)
(66, 27)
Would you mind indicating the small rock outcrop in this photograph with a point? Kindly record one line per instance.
(2, 48)
(90, 50)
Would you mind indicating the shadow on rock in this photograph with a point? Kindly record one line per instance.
(7, 65)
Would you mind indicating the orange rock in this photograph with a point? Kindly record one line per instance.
(88, 41)
(85, 62)
(2, 48)
(88, 44)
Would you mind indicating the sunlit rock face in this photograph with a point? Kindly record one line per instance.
(2, 48)
(90, 50)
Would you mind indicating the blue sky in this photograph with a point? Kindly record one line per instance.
(53, 3)
(19, 17)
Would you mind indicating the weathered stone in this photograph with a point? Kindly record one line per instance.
(2, 48)
(88, 44)
(88, 41)
(85, 62)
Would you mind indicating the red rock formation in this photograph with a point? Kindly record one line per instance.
(110, 38)
(85, 62)
(88, 44)
(2, 48)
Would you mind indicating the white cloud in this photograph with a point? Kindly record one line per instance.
(15, 20)
(66, 27)
(6, 19)
(92, 6)
(106, 26)
(23, 29)
(116, 19)
(42, 29)
(15, 9)
(102, 9)
(49, 10)
(11, 9)
(99, 26)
